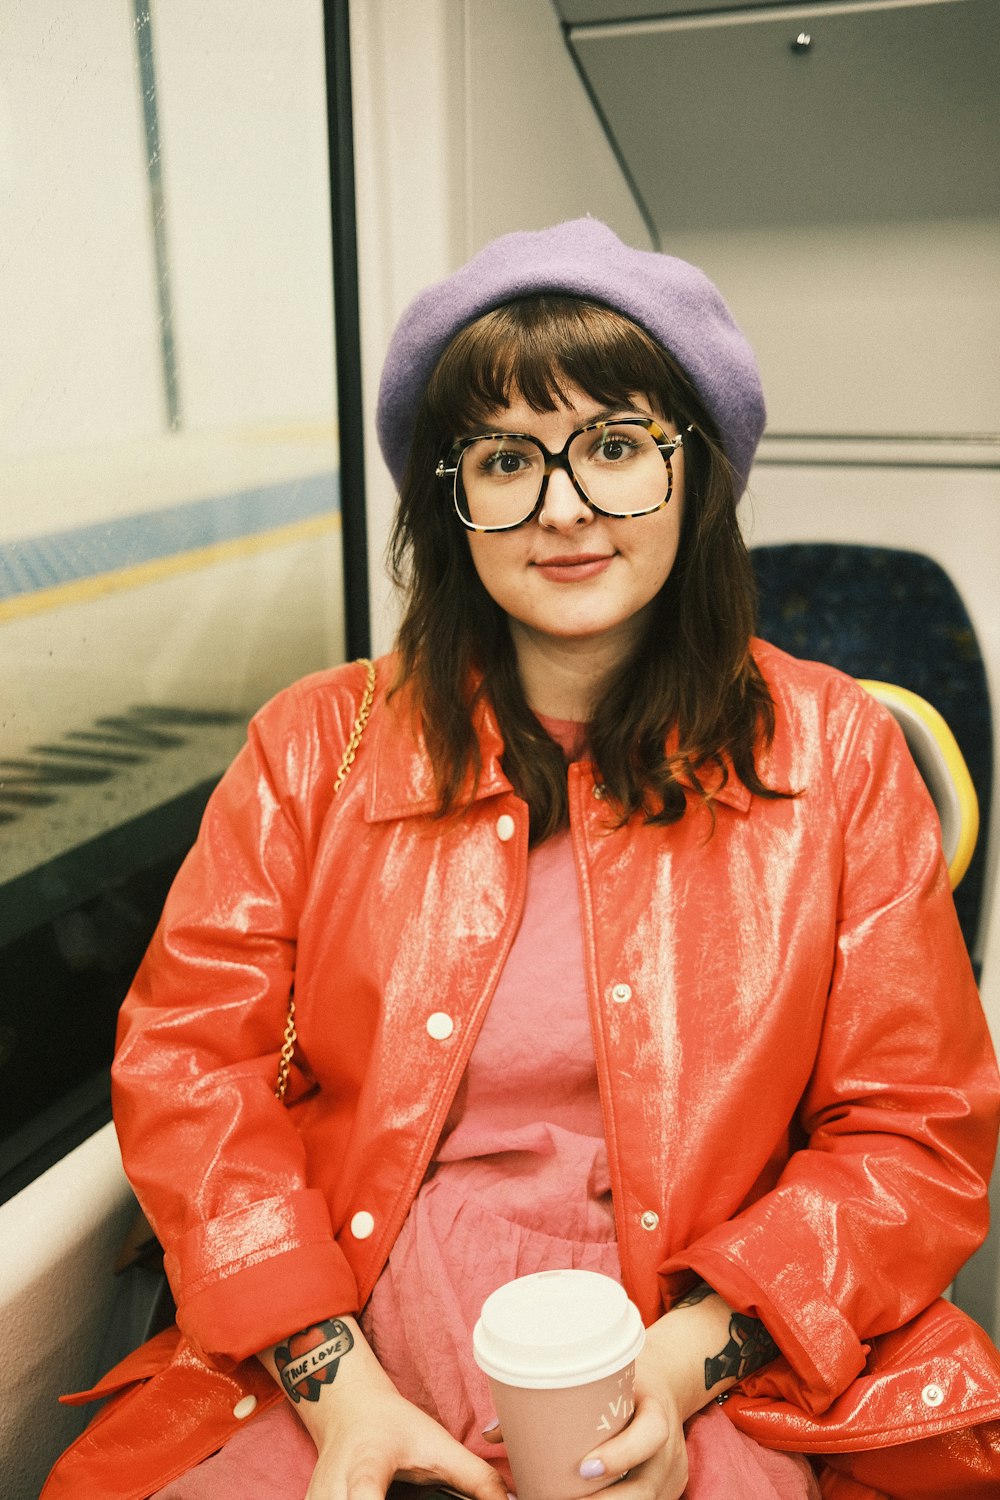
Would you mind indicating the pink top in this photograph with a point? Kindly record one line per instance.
(519, 1180)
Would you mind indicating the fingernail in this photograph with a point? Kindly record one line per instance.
(591, 1468)
(491, 1426)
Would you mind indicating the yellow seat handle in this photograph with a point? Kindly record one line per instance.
(942, 765)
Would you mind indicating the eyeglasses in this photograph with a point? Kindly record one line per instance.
(619, 468)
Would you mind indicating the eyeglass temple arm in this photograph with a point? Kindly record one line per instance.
(678, 442)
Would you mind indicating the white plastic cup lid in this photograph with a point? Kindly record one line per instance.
(557, 1328)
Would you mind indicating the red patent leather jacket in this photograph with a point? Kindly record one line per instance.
(799, 1089)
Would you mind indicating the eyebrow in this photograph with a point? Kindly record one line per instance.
(606, 414)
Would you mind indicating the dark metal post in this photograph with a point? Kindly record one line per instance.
(347, 338)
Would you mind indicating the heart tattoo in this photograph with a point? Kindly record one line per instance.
(310, 1358)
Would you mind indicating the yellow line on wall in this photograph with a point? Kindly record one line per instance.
(85, 590)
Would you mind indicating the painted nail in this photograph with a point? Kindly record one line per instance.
(491, 1426)
(591, 1468)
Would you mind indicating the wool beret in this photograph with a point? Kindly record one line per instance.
(672, 300)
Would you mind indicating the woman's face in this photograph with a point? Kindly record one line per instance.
(572, 575)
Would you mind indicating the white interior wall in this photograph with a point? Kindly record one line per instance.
(866, 328)
(506, 140)
(58, 1242)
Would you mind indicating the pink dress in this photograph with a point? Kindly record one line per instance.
(519, 1183)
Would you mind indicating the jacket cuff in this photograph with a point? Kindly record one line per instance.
(821, 1347)
(248, 1279)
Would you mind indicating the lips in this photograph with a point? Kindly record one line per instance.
(573, 567)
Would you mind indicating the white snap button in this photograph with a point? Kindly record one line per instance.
(440, 1025)
(932, 1395)
(649, 1220)
(621, 993)
(505, 828)
(245, 1407)
(362, 1225)
(599, 790)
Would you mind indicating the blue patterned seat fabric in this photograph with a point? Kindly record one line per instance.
(895, 616)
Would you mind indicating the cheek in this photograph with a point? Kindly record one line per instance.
(490, 558)
(660, 550)
(480, 560)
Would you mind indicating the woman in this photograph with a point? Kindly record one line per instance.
(619, 939)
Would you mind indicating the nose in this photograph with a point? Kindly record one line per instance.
(562, 508)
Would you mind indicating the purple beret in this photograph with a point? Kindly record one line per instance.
(673, 301)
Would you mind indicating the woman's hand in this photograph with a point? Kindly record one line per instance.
(693, 1353)
(366, 1433)
(651, 1450)
(372, 1435)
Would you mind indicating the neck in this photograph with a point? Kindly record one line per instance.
(563, 679)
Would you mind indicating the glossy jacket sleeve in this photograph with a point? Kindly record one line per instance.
(870, 1221)
(212, 1154)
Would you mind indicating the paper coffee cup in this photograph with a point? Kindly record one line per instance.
(559, 1350)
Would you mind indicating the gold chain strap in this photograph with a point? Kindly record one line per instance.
(347, 761)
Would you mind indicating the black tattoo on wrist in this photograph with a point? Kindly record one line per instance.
(698, 1293)
(309, 1360)
(750, 1347)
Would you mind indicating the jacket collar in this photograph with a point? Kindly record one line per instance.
(402, 778)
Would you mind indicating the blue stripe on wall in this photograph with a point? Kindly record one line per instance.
(106, 546)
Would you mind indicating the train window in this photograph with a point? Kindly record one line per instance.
(171, 539)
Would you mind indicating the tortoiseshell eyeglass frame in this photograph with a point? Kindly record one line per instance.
(449, 465)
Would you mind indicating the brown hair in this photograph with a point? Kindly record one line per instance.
(691, 679)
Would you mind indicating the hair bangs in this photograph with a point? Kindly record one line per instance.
(541, 348)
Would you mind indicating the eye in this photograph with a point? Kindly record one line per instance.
(615, 444)
(500, 457)
(506, 462)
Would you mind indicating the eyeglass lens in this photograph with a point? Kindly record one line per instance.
(618, 466)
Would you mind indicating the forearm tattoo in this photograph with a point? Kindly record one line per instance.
(750, 1346)
(309, 1360)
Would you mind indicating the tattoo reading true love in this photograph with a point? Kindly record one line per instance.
(309, 1360)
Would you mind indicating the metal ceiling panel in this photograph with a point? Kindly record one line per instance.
(804, 115)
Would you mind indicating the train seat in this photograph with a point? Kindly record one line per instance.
(894, 617)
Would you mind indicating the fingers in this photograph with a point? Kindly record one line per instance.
(361, 1452)
(367, 1480)
(649, 1431)
(493, 1433)
(471, 1476)
(650, 1453)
